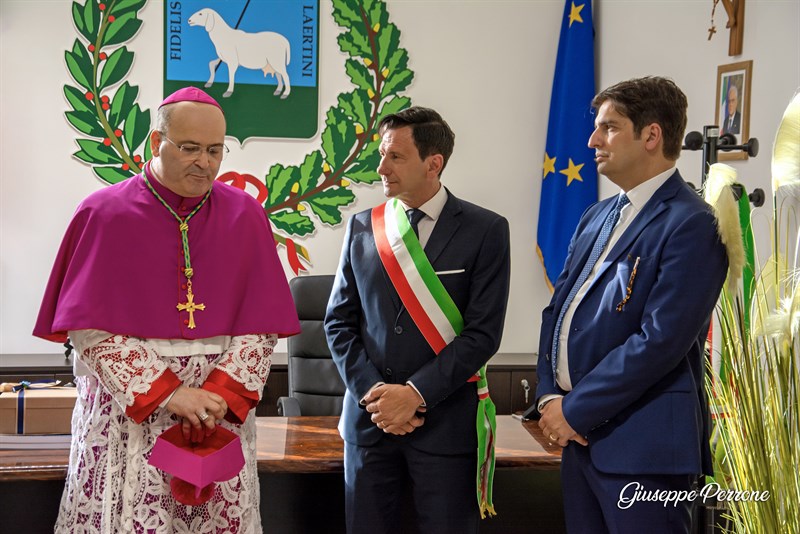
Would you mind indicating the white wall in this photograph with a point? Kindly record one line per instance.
(487, 66)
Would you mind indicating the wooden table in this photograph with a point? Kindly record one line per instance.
(306, 445)
(301, 474)
(313, 445)
(301, 466)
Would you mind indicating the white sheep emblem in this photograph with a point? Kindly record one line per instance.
(266, 51)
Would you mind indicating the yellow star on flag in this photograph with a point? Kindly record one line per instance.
(575, 13)
(549, 165)
(573, 172)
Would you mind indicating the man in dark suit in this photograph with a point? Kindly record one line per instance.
(621, 361)
(733, 117)
(409, 416)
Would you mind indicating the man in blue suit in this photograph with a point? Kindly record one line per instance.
(409, 415)
(621, 361)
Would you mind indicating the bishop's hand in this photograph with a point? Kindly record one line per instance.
(199, 410)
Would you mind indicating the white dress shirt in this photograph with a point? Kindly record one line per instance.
(432, 210)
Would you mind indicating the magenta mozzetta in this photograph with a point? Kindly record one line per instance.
(119, 291)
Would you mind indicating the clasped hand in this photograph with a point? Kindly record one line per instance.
(555, 426)
(199, 410)
(394, 408)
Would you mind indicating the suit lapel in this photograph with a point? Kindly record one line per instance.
(584, 245)
(445, 228)
(654, 207)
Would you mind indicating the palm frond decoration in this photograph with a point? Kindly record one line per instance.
(757, 403)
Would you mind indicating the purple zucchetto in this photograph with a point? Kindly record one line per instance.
(190, 94)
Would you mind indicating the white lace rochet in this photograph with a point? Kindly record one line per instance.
(110, 486)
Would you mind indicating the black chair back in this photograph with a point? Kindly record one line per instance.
(313, 378)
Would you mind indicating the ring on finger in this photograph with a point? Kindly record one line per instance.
(202, 416)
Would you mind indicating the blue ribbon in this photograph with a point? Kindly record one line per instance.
(21, 411)
(20, 388)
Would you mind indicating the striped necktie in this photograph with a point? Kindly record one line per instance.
(597, 251)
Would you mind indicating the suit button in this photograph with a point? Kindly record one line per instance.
(398, 329)
(388, 372)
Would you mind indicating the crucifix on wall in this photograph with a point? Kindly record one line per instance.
(735, 12)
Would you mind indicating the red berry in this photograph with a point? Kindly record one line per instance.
(104, 98)
(102, 7)
(125, 167)
(103, 56)
(89, 96)
(137, 159)
(111, 18)
(118, 133)
(107, 141)
(105, 106)
(91, 48)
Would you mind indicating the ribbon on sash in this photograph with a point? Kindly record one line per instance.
(438, 319)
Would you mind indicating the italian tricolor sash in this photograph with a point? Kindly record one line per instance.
(437, 317)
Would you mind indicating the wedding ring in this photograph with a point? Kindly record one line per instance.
(202, 416)
(554, 438)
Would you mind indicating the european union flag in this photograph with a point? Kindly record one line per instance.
(569, 177)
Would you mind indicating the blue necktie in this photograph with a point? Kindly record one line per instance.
(597, 251)
(414, 216)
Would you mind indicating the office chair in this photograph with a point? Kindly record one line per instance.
(315, 387)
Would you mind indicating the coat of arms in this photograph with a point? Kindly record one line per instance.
(268, 87)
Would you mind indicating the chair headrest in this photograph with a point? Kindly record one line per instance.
(310, 294)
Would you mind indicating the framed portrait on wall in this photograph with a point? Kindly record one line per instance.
(733, 104)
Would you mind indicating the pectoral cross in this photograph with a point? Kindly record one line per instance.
(190, 306)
